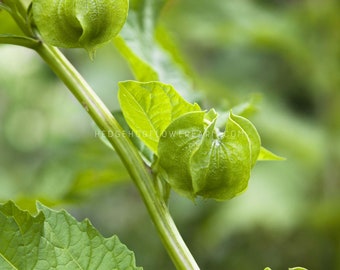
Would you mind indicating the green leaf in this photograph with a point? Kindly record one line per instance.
(55, 240)
(136, 41)
(4, 7)
(141, 43)
(90, 181)
(267, 155)
(150, 107)
(80, 23)
(141, 69)
(249, 107)
(20, 237)
(15, 7)
(15, 17)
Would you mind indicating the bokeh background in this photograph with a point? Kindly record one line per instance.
(280, 60)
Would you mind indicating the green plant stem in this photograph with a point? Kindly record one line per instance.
(143, 179)
(20, 41)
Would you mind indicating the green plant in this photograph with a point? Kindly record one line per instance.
(164, 141)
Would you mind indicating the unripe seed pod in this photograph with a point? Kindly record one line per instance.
(79, 23)
(197, 160)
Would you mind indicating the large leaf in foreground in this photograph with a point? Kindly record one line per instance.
(55, 240)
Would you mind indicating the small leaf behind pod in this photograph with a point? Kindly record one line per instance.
(265, 154)
(79, 23)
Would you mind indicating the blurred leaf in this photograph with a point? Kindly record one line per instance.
(145, 55)
(294, 268)
(137, 42)
(74, 173)
(7, 25)
(243, 108)
(267, 155)
(88, 182)
(18, 11)
(16, 7)
(98, 168)
(56, 240)
(249, 107)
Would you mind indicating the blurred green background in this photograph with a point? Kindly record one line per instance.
(283, 57)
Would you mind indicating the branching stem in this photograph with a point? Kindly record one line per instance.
(138, 171)
(20, 41)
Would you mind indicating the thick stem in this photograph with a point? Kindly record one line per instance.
(156, 206)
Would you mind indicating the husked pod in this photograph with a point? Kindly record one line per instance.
(79, 23)
(199, 160)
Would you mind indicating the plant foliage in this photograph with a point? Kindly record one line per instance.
(197, 152)
(55, 240)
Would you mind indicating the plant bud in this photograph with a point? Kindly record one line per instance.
(79, 23)
(197, 160)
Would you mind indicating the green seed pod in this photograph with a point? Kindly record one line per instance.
(79, 23)
(197, 160)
